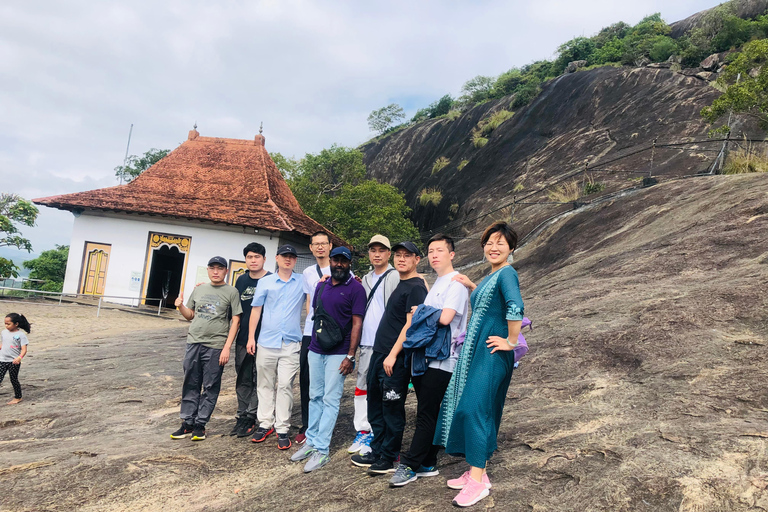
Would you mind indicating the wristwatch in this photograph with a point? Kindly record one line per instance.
(351, 358)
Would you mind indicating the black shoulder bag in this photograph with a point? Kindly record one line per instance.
(328, 332)
(373, 290)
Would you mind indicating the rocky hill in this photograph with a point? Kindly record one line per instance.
(607, 118)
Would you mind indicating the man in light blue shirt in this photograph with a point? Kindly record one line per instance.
(278, 299)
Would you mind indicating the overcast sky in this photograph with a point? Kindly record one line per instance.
(74, 75)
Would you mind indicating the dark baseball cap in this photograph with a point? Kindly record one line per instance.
(341, 251)
(287, 249)
(217, 260)
(408, 246)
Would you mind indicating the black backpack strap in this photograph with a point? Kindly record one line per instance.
(319, 272)
(373, 290)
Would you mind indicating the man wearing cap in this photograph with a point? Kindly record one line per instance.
(379, 284)
(342, 299)
(387, 375)
(209, 340)
(277, 303)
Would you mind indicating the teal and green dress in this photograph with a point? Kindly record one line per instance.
(470, 414)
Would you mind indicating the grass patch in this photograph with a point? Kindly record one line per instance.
(431, 196)
(462, 164)
(440, 164)
(591, 186)
(518, 187)
(453, 114)
(478, 140)
(745, 160)
(489, 124)
(565, 192)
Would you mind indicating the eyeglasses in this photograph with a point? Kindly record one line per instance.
(321, 244)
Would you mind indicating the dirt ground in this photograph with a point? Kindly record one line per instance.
(645, 386)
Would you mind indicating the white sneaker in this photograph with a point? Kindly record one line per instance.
(357, 443)
(365, 444)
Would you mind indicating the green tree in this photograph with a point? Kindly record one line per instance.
(50, 266)
(136, 165)
(477, 89)
(331, 188)
(746, 85)
(288, 166)
(14, 210)
(385, 118)
(579, 48)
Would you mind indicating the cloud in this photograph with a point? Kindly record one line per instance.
(76, 75)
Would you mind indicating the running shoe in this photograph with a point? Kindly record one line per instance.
(357, 443)
(316, 461)
(185, 430)
(283, 441)
(403, 476)
(425, 471)
(364, 461)
(261, 434)
(459, 483)
(198, 434)
(381, 467)
(471, 493)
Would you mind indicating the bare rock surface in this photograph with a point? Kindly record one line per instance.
(645, 387)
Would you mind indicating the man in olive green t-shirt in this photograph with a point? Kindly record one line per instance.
(210, 337)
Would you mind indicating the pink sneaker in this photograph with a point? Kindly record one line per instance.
(459, 483)
(471, 493)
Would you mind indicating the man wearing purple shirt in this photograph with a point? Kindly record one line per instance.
(343, 298)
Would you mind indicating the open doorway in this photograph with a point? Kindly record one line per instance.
(165, 274)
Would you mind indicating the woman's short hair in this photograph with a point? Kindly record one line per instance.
(506, 231)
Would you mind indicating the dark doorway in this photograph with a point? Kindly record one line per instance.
(165, 276)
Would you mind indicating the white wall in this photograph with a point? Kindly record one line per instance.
(129, 235)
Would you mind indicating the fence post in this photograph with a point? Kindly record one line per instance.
(653, 154)
(98, 310)
(160, 305)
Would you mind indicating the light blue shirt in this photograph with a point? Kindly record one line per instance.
(281, 311)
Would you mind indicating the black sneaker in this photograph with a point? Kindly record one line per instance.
(247, 428)
(261, 434)
(364, 461)
(238, 425)
(283, 441)
(198, 434)
(185, 430)
(381, 467)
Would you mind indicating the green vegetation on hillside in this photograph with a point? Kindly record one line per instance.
(618, 44)
(331, 188)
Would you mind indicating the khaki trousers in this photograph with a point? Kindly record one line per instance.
(276, 370)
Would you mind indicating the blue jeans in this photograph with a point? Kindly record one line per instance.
(326, 386)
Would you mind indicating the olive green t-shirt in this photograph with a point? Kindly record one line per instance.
(214, 306)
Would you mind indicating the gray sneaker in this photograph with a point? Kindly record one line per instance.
(403, 475)
(303, 452)
(316, 461)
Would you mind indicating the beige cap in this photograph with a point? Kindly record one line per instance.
(380, 239)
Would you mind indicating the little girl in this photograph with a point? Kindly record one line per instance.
(13, 348)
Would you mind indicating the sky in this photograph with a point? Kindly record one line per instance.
(75, 75)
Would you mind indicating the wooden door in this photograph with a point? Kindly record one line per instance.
(94, 273)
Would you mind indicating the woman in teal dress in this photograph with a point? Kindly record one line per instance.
(471, 411)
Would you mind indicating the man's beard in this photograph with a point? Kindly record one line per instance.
(340, 274)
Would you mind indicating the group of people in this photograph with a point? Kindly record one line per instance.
(389, 326)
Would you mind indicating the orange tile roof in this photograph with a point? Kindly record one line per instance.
(233, 181)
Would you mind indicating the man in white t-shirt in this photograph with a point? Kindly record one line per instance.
(320, 245)
(452, 298)
(379, 251)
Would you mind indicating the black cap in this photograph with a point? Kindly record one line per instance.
(408, 246)
(286, 249)
(218, 260)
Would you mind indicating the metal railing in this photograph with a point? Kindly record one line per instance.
(61, 296)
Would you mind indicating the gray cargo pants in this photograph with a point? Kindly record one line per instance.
(201, 372)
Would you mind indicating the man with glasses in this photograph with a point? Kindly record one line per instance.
(209, 340)
(388, 377)
(320, 246)
(277, 302)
